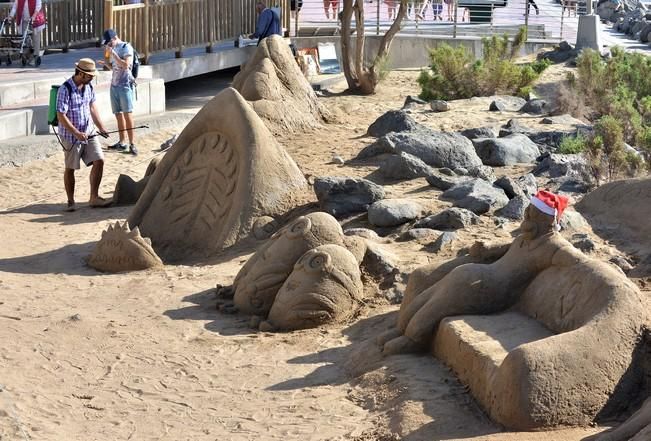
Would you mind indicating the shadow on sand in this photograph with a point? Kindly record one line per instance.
(204, 308)
(70, 260)
(54, 213)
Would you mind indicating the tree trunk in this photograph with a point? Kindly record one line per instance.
(345, 17)
(361, 78)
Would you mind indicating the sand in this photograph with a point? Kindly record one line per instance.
(145, 355)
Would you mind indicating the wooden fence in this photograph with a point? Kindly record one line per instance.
(69, 22)
(152, 26)
(164, 25)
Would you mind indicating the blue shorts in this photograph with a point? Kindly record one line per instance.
(121, 99)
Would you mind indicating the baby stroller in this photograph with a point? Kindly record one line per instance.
(17, 46)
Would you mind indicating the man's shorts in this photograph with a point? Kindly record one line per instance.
(121, 99)
(88, 152)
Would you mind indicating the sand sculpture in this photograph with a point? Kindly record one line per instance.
(257, 283)
(550, 333)
(636, 428)
(121, 249)
(621, 210)
(274, 85)
(307, 274)
(127, 191)
(324, 287)
(224, 171)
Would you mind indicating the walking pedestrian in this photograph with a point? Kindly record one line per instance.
(437, 9)
(422, 10)
(25, 10)
(535, 6)
(76, 113)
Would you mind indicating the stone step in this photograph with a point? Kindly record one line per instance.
(17, 92)
(15, 123)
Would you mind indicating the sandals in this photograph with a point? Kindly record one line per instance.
(71, 207)
(100, 203)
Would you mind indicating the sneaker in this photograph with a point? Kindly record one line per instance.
(133, 150)
(117, 146)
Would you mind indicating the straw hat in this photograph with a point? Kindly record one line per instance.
(87, 66)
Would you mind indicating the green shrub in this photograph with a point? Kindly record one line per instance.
(450, 76)
(618, 91)
(606, 150)
(572, 144)
(455, 74)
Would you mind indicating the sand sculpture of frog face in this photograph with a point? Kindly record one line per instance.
(324, 286)
(259, 280)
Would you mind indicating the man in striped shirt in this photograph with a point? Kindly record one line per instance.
(76, 112)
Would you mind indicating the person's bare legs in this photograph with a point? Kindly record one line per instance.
(128, 120)
(95, 179)
(326, 8)
(69, 184)
(121, 127)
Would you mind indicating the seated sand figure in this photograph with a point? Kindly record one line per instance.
(225, 171)
(280, 94)
(560, 334)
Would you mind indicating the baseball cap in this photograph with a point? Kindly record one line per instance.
(109, 34)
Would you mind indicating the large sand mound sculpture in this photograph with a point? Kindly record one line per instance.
(224, 171)
(121, 249)
(276, 88)
(621, 211)
(550, 336)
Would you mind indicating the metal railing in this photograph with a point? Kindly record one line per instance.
(545, 19)
(69, 22)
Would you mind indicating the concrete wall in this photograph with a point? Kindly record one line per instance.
(410, 51)
(197, 64)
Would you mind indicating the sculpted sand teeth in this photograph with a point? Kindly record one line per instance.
(121, 249)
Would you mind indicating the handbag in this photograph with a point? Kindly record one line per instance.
(39, 19)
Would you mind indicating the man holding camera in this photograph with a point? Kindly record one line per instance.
(121, 88)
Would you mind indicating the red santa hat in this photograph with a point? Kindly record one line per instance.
(550, 203)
